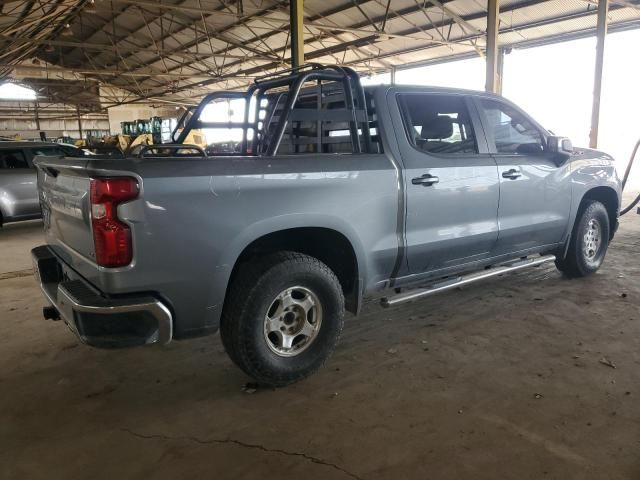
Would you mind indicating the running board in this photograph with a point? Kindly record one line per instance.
(459, 281)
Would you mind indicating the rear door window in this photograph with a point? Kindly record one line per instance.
(437, 123)
(13, 159)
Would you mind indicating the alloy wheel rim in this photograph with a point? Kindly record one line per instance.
(292, 321)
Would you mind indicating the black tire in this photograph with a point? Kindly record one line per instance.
(585, 255)
(252, 296)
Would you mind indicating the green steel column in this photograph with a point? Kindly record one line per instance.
(492, 83)
(296, 21)
(603, 9)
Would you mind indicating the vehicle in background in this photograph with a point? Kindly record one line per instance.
(18, 190)
(112, 151)
(159, 128)
(64, 140)
(72, 150)
(222, 148)
(335, 192)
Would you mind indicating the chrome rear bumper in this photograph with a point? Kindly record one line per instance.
(99, 320)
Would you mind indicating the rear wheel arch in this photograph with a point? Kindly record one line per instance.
(330, 246)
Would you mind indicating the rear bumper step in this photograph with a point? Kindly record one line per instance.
(449, 283)
(98, 320)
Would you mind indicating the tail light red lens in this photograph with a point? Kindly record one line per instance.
(111, 237)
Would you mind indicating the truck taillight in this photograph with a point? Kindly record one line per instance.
(111, 237)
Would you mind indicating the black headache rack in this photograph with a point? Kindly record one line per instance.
(310, 109)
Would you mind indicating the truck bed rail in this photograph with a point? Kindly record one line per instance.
(282, 93)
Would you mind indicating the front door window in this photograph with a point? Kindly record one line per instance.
(512, 132)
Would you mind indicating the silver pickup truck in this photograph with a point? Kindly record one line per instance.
(18, 194)
(336, 192)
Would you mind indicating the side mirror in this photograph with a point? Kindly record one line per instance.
(560, 147)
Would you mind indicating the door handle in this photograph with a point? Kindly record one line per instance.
(512, 174)
(425, 180)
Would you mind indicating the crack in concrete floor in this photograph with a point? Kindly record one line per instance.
(231, 441)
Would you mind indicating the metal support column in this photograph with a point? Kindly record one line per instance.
(393, 75)
(603, 9)
(79, 121)
(500, 69)
(37, 114)
(296, 22)
(493, 9)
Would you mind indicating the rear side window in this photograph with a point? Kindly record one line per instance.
(12, 159)
(438, 124)
(512, 132)
(321, 132)
(320, 122)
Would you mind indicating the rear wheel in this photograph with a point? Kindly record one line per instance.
(589, 241)
(283, 318)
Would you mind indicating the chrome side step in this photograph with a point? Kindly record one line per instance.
(449, 283)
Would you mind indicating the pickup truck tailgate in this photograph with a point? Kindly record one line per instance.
(64, 189)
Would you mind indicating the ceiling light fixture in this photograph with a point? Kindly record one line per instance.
(90, 6)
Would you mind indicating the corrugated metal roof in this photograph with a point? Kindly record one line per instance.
(183, 49)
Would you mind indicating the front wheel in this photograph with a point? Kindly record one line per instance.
(589, 241)
(283, 318)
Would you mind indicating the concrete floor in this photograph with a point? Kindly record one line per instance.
(509, 379)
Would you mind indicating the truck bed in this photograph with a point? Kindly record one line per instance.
(183, 252)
